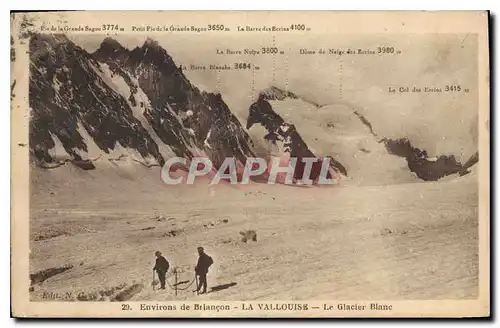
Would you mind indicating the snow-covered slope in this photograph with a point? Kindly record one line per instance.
(336, 131)
(342, 133)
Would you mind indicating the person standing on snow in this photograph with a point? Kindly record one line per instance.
(161, 267)
(201, 269)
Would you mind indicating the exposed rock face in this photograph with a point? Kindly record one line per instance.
(424, 167)
(66, 89)
(138, 100)
(181, 115)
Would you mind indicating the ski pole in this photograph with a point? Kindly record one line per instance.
(197, 286)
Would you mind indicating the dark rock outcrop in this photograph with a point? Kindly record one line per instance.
(422, 165)
(84, 164)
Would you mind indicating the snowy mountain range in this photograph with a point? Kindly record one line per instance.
(121, 104)
(117, 105)
(302, 128)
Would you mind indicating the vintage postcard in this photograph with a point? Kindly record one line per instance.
(250, 164)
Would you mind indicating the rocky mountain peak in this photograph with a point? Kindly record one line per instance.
(274, 93)
(110, 45)
(151, 43)
(54, 47)
(53, 40)
(152, 52)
